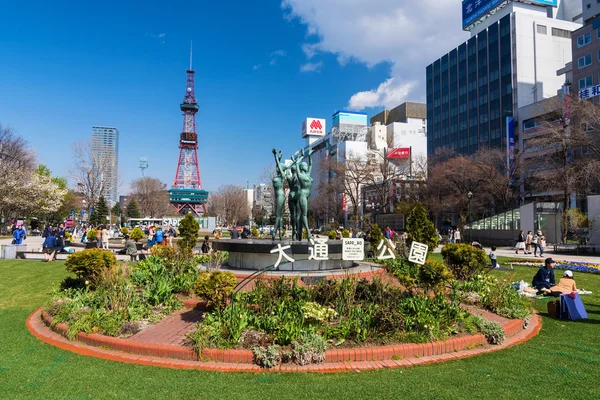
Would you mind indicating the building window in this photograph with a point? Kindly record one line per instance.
(584, 39)
(584, 61)
(585, 82)
(542, 30)
(561, 33)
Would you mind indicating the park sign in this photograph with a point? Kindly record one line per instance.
(353, 249)
(313, 127)
(418, 253)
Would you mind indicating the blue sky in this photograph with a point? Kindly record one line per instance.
(261, 67)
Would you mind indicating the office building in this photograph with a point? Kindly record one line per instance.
(586, 53)
(105, 149)
(474, 92)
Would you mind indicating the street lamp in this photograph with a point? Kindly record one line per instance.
(470, 196)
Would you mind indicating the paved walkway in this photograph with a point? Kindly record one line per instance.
(171, 330)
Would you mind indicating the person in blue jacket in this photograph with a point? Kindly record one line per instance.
(544, 278)
(19, 234)
(50, 245)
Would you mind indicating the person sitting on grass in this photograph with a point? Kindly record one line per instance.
(49, 246)
(544, 278)
(565, 285)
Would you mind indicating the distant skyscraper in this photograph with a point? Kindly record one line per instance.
(105, 145)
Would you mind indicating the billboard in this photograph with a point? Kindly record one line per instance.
(510, 143)
(398, 152)
(474, 10)
(313, 127)
(349, 118)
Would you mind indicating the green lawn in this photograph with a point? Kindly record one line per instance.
(563, 362)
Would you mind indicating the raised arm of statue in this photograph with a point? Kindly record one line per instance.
(277, 163)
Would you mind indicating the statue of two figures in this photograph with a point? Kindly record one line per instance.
(297, 175)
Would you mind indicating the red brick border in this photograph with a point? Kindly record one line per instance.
(172, 356)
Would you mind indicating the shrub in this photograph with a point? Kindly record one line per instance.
(492, 331)
(309, 348)
(215, 286)
(316, 312)
(188, 234)
(254, 232)
(267, 357)
(346, 233)
(91, 235)
(433, 275)
(136, 234)
(464, 260)
(125, 231)
(332, 234)
(67, 236)
(376, 236)
(165, 252)
(89, 263)
(420, 229)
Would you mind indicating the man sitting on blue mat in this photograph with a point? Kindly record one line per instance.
(544, 278)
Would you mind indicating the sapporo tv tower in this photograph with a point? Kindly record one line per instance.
(187, 194)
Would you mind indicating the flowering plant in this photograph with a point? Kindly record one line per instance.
(562, 265)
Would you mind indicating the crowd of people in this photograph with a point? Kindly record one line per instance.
(529, 242)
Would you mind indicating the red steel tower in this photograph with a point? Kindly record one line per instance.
(187, 194)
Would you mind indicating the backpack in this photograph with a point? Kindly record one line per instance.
(159, 236)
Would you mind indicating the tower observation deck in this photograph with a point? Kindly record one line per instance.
(187, 193)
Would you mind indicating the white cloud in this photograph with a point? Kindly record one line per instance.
(161, 35)
(257, 66)
(278, 53)
(407, 34)
(311, 67)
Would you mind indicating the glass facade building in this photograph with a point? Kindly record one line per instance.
(469, 92)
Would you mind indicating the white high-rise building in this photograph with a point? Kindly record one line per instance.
(105, 146)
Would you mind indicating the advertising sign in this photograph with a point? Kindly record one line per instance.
(399, 152)
(510, 143)
(344, 205)
(474, 10)
(313, 127)
(353, 249)
(349, 118)
(590, 92)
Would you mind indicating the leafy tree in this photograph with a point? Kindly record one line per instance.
(100, 212)
(376, 236)
(188, 233)
(116, 210)
(132, 210)
(420, 228)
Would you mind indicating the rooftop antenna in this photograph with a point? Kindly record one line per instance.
(190, 55)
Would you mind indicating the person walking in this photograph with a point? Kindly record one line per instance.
(520, 242)
(105, 236)
(457, 237)
(539, 243)
(19, 234)
(99, 236)
(528, 240)
(171, 234)
(59, 233)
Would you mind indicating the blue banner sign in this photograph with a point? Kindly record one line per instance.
(510, 143)
(473, 10)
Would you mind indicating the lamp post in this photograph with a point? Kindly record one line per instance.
(470, 196)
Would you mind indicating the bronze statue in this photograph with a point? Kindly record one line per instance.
(279, 192)
(303, 171)
(299, 182)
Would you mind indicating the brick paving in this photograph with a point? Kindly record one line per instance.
(171, 330)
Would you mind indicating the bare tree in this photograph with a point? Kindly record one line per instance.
(230, 203)
(15, 154)
(351, 175)
(90, 172)
(151, 196)
(564, 151)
